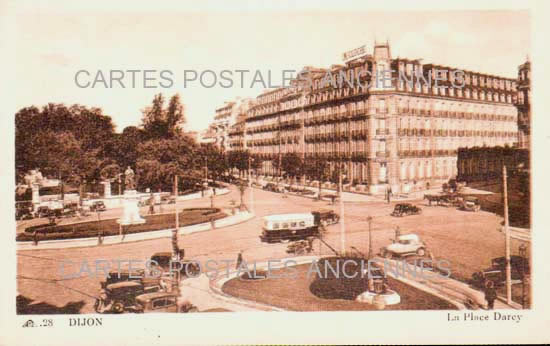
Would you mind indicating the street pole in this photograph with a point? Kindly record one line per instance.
(250, 186)
(507, 232)
(369, 219)
(342, 223)
(206, 169)
(175, 247)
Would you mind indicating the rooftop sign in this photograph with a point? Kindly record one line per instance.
(354, 53)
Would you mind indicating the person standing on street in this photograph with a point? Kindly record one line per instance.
(239, 259)
(490, 294)
(397, 232)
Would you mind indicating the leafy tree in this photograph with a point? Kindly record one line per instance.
(65, 142)
(316, 168)
(238, 159)
(215, 158)
(292, 164)
(159, 122)
(159, 160)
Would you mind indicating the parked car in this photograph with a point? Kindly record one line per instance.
(406, 244)
(98, 206)
(470, 204)
(404, 209)
(23, 214)
(161, 302)
(43, 211)
(168, 200)
(120, 297)
(497, 272)
(269, 187)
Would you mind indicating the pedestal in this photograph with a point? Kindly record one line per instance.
(35, 196)
(130, 215)
(106, 188)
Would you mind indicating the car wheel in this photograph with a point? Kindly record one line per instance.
(118, 308)
(421, 252)
(98, 306)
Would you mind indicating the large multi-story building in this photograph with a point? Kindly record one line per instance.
(524, 104)
(400, 134)
(229, 114)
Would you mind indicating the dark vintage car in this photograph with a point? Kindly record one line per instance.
(164, 260)
(121, 297)
(137, 275)
(497, 272)
(23, 214)
(470, 204)
(325, 217)
(98, 206)
(161, 302)
(404, 209)
(272, 187)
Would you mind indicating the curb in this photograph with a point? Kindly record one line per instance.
(132, 237)
(217, 284)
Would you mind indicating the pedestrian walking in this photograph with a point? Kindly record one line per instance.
(397, 233)
(35, 237)
(99, 237)
(239, 259)
(490, 294)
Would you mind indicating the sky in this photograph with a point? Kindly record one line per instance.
(54, 42)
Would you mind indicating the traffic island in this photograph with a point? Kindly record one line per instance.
(300, 288)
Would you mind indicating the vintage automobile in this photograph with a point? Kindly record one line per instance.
(161, 302)
(406, 244)
(168, 200)
(98, 206)
(470, 204)
(404, 209)
(120, 297)
(23, 214)
(287, 227)
(300, 247)
(325, 217)
(497, 272)
(163, 260)
(137, 275)
(272, 187)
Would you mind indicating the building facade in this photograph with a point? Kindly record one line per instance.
(524, 105)
(399, 134)
(226, 117)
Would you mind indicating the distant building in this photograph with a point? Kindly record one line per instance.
(523, 104)
(399, 135)
(231, 113)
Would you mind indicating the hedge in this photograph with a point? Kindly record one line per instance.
(110, 227)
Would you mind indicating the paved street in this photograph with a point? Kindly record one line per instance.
(467, 240)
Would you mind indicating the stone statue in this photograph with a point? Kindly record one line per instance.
(129, 179)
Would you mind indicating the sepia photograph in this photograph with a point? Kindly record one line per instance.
(172, 159)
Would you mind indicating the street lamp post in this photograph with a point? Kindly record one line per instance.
(369, 219)
(250, 159)
(523, 255)
(342, 222)
(507, 240)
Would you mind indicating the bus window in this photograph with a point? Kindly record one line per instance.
(302, 223)
(285, 225)
(276, 225)
(293, 224)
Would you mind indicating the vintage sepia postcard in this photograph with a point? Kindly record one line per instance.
(274, 172)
